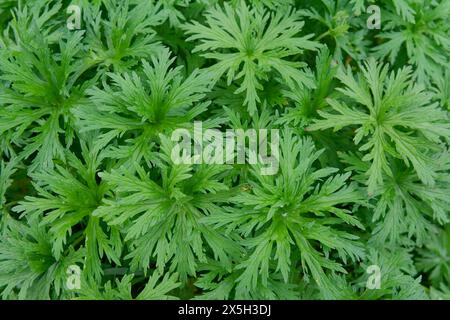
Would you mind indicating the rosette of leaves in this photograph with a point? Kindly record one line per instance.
(298, 218)
(392, 116)
(161, 214)
(251, 45)
(43, 82)
(136, 107)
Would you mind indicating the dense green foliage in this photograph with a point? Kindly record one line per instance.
(87, 178)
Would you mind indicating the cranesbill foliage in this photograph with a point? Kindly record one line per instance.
(253, 43)
(97, 203)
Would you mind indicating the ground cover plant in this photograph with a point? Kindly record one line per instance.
(353, 93)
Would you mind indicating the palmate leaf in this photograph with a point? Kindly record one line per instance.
(138, 108)
(289, 214)
(126, 36)
(393, 117)
(405, 209)
(44, 85)
(248, 44)
(162, 218)
(66, 199)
